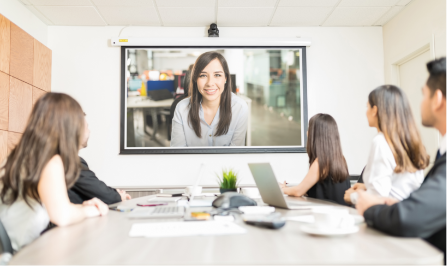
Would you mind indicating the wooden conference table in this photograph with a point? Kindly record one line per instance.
(105, 240)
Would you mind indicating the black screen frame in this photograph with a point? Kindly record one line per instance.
(276, 149)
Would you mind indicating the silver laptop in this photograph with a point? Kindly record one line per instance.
(269, 188)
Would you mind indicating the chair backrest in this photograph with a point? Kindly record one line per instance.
(5, 242)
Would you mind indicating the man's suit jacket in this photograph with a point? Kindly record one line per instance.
(89, 186)
(422, 214)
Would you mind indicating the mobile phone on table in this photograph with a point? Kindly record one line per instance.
(152, 204)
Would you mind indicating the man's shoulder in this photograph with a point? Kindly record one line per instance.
(438, 170)
(83, 161)
(85, 170)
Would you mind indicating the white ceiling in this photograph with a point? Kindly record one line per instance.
(235, 13)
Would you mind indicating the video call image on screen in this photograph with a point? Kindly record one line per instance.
(265, 84)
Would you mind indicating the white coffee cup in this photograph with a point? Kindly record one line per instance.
(332, 217)
(188, 190)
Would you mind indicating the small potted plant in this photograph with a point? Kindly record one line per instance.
(228, 182)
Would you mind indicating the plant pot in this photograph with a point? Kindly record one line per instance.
(223, 190)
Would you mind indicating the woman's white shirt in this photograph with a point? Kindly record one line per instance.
(379, 176)
(183, 135)
(23, 223)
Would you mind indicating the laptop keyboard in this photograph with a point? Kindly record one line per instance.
(158, 212)
(166, 210)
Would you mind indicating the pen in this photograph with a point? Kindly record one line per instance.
(115, 209)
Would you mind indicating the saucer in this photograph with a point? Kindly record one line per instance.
(358, 219)
(313, 230)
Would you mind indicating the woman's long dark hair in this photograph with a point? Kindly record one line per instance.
(323, 142)
(397, 125)
(55, 126)
(196, 97)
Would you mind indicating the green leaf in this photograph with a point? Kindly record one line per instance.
(228, 180)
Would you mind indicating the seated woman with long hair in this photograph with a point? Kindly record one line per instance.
(211, 115)
(397, 156)
(328, 174)
(37, 173)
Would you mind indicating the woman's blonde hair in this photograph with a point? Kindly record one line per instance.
(397, 125)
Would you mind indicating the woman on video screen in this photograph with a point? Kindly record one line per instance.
(212, 115)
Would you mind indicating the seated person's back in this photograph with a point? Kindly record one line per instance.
(397, 157)
(88, 186)
(328, 174)
(423, 213)
(329, 190)
(37, 173)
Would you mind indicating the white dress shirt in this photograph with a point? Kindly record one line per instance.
(379, 176)
(184, 136)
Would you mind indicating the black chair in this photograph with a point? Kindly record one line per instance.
(5, 246)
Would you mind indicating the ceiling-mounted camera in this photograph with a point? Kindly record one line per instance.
(213, 31)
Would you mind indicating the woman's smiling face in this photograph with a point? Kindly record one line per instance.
(211, 81)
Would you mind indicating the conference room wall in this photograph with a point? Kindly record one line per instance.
(422, 23)
(343, 65)
(17, 13)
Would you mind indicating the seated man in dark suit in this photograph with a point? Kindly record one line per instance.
(88, 186)
(423, 213)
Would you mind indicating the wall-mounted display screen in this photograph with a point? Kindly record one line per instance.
(170, 95)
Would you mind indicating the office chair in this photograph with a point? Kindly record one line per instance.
(5, 246)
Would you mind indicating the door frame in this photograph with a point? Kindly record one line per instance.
(395, 67)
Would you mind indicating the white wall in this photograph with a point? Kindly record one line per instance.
(421, 23)
(343, 65)
(25, 19)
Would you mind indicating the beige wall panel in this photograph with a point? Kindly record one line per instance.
(42, 66)
(20, 104)
(5, 41)
(13, 140)
(4, 101)
(22, 55)
(37, 93)
(421, 23)
(3, 145)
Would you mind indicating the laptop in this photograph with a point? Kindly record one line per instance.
(269, 188)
